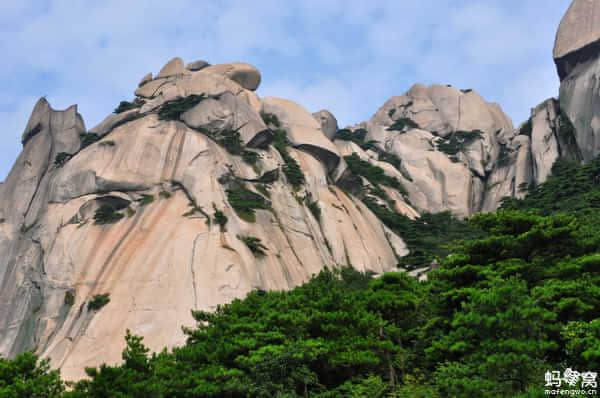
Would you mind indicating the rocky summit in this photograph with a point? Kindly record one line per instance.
(198, 191)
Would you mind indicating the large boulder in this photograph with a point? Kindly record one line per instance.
(112, 120)
(328, 122)
(577, 58)
(229, 112)
(578, 36)
(245, 75)
(173, 68)
(447, 143)
(580, 101)
(303, 130)
(147, 78)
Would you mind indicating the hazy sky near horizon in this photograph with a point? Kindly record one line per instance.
(348, 56)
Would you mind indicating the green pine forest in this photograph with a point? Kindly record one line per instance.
(518, 298)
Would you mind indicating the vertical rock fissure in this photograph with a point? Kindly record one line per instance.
(193, 271)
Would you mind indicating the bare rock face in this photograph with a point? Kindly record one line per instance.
(172, 68)
(113, 120)
(448, 141)
(147, 78)
(580, 100)
(552, 137)
(128, 210)
(49, 135)
(303, 130)
(329, 124)
(578, 36)
(245, 75)
(577, 58)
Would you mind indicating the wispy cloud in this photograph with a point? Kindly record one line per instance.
(345, 55)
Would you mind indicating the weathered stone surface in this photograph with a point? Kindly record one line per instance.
(40, 118)
(210, 114)
(173, 68)
(544, 142)
(577, 58)
(304, 132)
(229, 112)
(157, 264)
(578, 36)
(151, 88)
(23, 199)
(511, 177)
(328, 122)
(147, 78)
(580, 101)
(202, 82)
(197, 65)
(112, 120)
(245, 75)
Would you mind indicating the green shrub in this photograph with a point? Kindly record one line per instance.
(232, 142)
(429, 237)
(196, 209)
(98, 301)
(255, 245)
(250, 157)
(165, 194)
(107, 143)
(126, 105)
(172, 110)
(245, 202)
(270, 119)
(26, 228)
(264, 189)
(390, 158)
(28, 376)
(314, 208)
(403, 123)
(88, 139)
(357, 136)
(69, 298)
(526, 128)
(61, 159)
(566, 132)
(268, 177)
(503, 156)
(107, 214)
(146, 200)
(220, 218)
(458, 142)
(374, 174)
(291, 168)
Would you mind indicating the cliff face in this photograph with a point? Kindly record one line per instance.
(199, 191)
(577, 58)
(135, 214)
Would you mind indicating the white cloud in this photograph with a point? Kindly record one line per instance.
(345, 55)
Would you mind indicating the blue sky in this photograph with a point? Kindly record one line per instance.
(348, 56)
